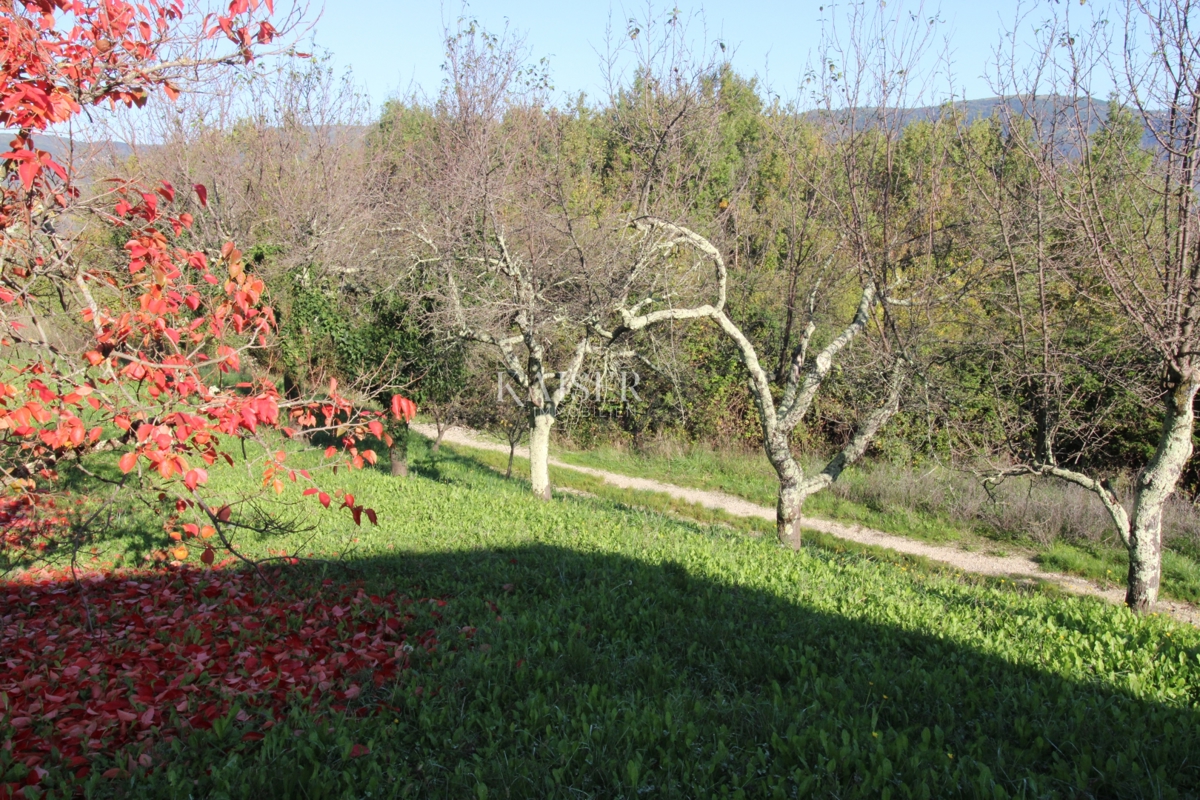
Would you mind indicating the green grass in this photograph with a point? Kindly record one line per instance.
(751, 477)
(1180, 574)
(639, 500)
(634, 654)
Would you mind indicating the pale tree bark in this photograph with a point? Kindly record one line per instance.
(1132, 210)
(803, 381)
(1154, 486)
(534, 256)
(539, 452)
(779, 422)
(525, 353)
(531, 377)
(1142, 529)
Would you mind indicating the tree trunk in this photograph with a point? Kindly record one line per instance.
(441, 431)
(512, 452)
(787, 514)
(791, 500)
(1154, 487)
(399, 453)
(539, 452)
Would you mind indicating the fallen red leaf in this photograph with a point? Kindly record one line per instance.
(83, 680)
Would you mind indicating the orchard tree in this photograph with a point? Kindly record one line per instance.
(857, 302)
(503, 201)
(1123, 180)
(123, 352)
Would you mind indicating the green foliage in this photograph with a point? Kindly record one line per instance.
(376, 343)
(628, 654)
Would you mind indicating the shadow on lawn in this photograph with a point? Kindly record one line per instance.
(706, 685)
(599, 675)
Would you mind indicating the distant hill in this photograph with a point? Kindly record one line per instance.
(62, 148)
(972, 111)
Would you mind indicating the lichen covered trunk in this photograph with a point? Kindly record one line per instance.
(787, 514)
(790, 499)
(1154, 487)
(539, 452)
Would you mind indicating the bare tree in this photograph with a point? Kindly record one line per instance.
(887, 219)
(1124, 177)
(445, 414)
(502, 199)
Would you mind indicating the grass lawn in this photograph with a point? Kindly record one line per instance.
(590, 649)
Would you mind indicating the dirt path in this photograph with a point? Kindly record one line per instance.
(980, 563)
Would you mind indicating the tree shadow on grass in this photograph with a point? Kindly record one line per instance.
(595, 675)
(695, 685)
(117, 517)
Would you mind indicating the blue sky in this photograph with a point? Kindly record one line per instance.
(393, 44)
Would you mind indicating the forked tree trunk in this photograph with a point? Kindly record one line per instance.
(539, 452)
(399, 453)
(1154, 487)
(794, 486)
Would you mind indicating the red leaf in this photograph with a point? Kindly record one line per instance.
(257, 622)
(194, 478)
(208, 556)
(202, 194)
(128, 462)
(324, 498)
(371, 515)
(359, 750)
(28, 170)
(403, 408)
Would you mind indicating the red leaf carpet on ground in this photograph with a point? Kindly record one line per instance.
(125, 659)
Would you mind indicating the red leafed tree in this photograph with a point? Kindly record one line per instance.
(124, 354)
